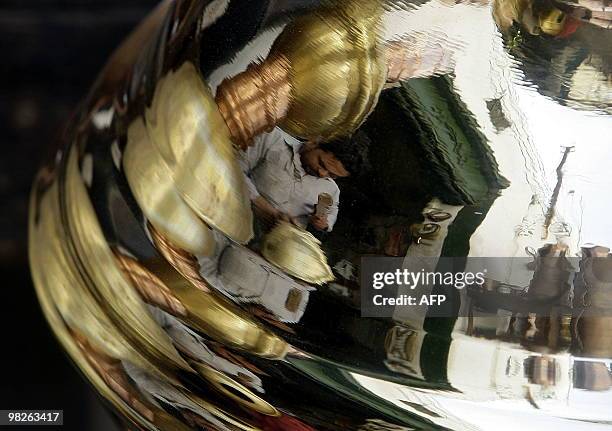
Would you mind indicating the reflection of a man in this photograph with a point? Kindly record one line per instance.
(287, 180)
(286, 177)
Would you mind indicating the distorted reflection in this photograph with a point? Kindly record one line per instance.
(196, 348)
(288, 179)
(197, 245)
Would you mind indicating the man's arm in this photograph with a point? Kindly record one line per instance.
(265, 210)
(249, 159)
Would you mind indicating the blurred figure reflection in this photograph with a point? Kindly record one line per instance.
(286, 177)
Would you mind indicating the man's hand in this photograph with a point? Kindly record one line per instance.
(265, 210)
(319, 222)
(286, 217)
(269, 214)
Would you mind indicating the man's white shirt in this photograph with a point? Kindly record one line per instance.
(273, 169)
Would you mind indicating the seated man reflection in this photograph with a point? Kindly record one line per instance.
(287, 178)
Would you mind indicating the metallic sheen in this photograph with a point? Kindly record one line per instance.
(196, 241)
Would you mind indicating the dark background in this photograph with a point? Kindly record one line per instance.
(51, 52)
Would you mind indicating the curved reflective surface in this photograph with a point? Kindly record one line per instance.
(197, 242)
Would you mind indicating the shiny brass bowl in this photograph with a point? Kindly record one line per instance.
(199, 242)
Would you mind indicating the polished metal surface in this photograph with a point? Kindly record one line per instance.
(196, 242)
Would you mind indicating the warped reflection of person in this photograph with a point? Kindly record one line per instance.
(288, 181)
